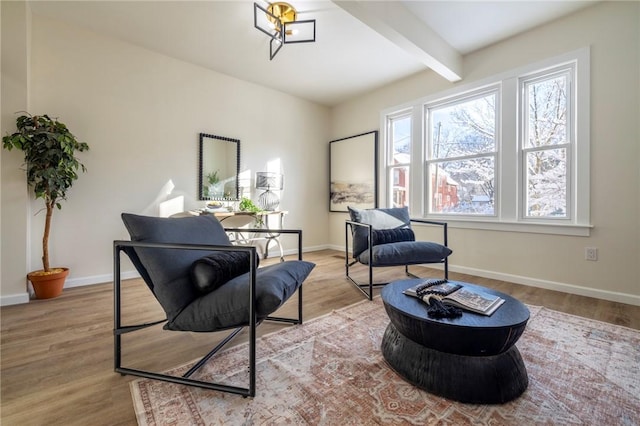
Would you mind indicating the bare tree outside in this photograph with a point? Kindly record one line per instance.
(463, 156)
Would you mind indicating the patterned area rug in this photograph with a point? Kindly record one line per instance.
(330, 371)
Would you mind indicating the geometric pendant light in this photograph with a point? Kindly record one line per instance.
(279, 22)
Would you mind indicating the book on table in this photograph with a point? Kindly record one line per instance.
(456, 294)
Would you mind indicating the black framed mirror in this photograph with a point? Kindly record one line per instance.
(219, 167)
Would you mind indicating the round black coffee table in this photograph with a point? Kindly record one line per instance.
(470, 359)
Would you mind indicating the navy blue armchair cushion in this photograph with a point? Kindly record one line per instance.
(211, 271)
(168, 269)
(379, 219)
(228, 305)
(405, 253)
(167, 272)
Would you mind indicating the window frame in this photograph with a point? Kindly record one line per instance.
(569, 70)
(388, 156)
(493, 89)
(509, 179)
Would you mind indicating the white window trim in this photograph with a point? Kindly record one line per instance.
(387, 151)
(494, 89)
(570, 145)
(507, 212)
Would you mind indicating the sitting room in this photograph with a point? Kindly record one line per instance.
(515, 124)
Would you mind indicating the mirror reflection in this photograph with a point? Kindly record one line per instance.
(219, 167)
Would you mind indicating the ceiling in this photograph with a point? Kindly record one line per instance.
(360, 45)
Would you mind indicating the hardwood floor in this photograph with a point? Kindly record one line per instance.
(57, 355)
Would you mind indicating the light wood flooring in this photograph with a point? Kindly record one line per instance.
(57, 355)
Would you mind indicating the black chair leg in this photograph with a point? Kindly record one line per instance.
(186, 380)
(370, 285)
(365, 288)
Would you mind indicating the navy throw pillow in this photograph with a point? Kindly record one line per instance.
(382, 218)
(211, 271)
(386, 236)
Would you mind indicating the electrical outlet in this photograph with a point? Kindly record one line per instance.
(591, 253)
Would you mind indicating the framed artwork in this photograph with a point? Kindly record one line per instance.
(353, 172)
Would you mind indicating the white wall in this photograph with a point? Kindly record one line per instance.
(612, 30)
(14, 197)
(140, 113)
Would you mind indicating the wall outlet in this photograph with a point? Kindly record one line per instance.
(591, 253)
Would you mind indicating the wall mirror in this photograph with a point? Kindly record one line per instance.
(219, 168)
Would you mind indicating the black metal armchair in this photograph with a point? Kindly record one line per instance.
(204, 284)
(383, 237)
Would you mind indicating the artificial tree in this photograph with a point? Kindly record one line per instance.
(51, 165)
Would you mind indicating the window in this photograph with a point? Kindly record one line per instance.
(510, 152)
(461, 159)
(398, 158)
(546, 144)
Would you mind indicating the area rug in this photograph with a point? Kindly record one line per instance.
(329, 371)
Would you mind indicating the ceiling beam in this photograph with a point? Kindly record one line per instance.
(396, 23)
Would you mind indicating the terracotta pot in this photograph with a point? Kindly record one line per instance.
(48, 286)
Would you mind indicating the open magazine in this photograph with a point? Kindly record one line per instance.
(456, 294)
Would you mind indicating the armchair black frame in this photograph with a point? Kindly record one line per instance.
(349, 229)
(252, 322)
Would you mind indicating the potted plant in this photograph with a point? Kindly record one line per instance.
(246, 205)
(49, 157)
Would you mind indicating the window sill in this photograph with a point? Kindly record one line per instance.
(524, 227)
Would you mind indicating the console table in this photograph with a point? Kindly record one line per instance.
(271, 220)
(471, 359)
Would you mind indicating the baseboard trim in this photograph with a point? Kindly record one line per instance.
(629, 299)
(14, 299)
(596, 293)
(312, 248)
(98, 279)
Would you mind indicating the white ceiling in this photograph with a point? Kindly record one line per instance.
(360, 45)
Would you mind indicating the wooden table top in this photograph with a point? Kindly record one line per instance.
(469, 334)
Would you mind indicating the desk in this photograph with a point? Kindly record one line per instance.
(261, 220)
